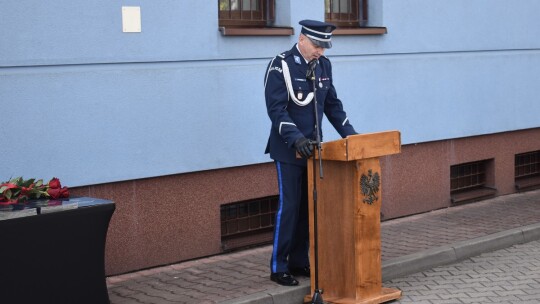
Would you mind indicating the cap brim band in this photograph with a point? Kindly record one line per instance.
(308, 30)
(323, 44)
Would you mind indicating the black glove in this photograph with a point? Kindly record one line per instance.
(304, 147)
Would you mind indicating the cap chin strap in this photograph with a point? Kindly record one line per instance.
(288, 83)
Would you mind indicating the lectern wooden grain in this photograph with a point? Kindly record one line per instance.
(348, 219)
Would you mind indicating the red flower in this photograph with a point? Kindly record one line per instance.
(55, 189)
(64, 192)
(55, 183)
(25, 191)
(54, 193)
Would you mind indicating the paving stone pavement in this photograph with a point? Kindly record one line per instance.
(510, 275)
(409, 245)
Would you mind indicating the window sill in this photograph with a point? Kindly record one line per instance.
(243, 241)
(528, 183)
(473, 195)
(252, 31)
(360, 31)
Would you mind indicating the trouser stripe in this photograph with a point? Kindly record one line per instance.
(278, 218)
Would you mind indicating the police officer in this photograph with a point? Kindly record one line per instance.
(290, 105)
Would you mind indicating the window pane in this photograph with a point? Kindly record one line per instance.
(250, 5)
(338, 6)
(224, 5)
(236, 5)
(345, 13)
(342, 6)
(245, 12)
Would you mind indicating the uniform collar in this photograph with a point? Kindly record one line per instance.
(298, 49)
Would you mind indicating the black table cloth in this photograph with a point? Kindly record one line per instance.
(53, 251)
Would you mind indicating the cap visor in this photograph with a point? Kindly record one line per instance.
(323, 44)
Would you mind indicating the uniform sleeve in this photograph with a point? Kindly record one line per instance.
(277, 99)
(333, 109)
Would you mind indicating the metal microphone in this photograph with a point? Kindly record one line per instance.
(310, 74)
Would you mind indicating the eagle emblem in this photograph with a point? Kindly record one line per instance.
(370, 186)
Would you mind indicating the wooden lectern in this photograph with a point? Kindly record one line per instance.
(348, 219)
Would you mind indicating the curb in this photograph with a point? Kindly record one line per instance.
(409, 264)
(282, 295)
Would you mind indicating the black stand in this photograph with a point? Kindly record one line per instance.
(317, 295)
(56, 257)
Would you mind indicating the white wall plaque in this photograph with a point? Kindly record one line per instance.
(131, 19)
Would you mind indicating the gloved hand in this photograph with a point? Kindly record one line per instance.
(304, 147)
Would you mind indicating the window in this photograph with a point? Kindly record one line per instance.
(467, 176)
(248, 223)
(350, 17)
(246, 12)
(527, 170)
(469, 181)
(346, 13)
(249, 17)
(527, 164)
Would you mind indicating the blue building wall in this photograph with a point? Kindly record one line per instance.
(90, 104)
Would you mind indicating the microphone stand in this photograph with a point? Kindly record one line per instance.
(317, 295)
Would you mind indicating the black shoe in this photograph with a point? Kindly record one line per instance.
(283, 278)
(301, 271)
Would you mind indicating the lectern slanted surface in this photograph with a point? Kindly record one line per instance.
(362, 146)
(348, 212)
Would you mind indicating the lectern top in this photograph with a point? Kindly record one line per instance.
(362, 146)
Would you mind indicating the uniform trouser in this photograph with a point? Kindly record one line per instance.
(291, 229)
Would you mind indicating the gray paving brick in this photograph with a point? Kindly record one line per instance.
(122, 291)
(506, 299)
(454, 294)
(122, 299)
(475, 300)
(447, 301)
(485, 294)
(489, 288)
(530, 297)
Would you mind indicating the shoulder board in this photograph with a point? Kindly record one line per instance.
(324, 57)
(284, 54)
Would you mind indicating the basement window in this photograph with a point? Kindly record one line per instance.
(527, 170)
(470, 181)
(248, 223)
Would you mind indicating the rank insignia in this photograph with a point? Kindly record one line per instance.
(296, 59)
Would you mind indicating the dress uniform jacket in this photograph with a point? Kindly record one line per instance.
(290, 104)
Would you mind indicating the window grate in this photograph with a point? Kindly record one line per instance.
(245, 12)
(248, 218)
(527, 164)
(346, 13)
(467, 176)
